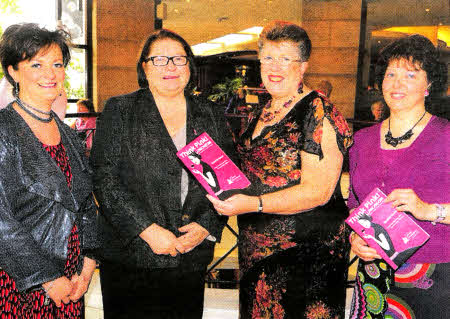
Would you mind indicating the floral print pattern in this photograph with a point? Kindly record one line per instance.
(269, 246)
(268, 297)
(278, 235)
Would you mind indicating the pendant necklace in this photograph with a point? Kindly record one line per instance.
(27, 107)
(268, 116)
(394, 141)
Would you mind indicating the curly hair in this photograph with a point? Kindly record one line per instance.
(286, 31)
(23, 41)
(420, 52)
(162, 35)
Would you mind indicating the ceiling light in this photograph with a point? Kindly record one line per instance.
(233, 38)
(201, 48)
(252, 30)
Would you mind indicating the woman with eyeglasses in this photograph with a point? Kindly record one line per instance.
(158, 229)
(292, 245)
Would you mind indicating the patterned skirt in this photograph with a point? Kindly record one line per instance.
(414, 291)
(299, 283)
(30, 304)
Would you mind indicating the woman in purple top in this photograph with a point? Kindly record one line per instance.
(407, 157)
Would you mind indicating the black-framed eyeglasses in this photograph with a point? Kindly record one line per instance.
(161, 60)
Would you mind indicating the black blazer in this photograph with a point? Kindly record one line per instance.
(37, 209)
(137, 180)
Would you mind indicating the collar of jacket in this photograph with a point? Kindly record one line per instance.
(41, 173)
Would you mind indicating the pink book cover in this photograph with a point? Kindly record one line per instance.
(393, 234)
(215, 171)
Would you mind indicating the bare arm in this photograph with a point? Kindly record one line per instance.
(319, 179)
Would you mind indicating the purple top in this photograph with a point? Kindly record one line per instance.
(423, 167)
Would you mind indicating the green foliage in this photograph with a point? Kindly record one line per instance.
(71, 92)
(9, 6)
(222, 92)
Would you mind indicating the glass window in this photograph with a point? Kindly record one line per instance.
(74, 17)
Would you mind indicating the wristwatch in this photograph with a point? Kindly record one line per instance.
(441, 213)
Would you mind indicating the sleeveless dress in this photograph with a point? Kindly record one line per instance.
(292, 266)
(33, 304)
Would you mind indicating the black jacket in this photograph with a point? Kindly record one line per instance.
(37, 209)
(137, 180)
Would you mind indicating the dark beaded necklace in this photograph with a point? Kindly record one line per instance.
(268, 116)
(394, 141)
(27, 107)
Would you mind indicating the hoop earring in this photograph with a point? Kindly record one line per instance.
(427, 92)
(300, 88)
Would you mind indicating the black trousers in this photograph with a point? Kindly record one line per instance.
(151, 293)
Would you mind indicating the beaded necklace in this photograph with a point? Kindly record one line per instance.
(267, 116)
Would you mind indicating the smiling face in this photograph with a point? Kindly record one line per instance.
(41, 79)
(281, 80)
(169, 80)
(404, 86)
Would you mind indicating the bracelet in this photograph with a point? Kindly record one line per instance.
(441, 213)
(260, 204)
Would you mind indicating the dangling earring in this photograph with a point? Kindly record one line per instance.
(426, 92)
(16, 89)
(300, 88)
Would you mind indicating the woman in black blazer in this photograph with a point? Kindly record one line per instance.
(47, 211)
(158, 229)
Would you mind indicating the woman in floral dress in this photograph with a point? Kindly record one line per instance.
(292, 245)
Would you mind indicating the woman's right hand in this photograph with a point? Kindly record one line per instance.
(162, 241)
(59, 290)
(361, 249)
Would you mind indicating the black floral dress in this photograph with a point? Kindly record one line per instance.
(292, 266)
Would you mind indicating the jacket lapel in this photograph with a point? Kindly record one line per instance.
(42, 174)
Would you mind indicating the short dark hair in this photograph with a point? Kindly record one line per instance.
(23, 41)
(365, 217)
(161, 35)
(286, 31)
(88, 103)
(194, 154)
(419, 51)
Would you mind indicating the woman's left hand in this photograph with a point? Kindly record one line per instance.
(81, 282)
(407, 200)
(194, 236)
(235, 205)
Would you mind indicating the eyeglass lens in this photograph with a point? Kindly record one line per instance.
(164, 60)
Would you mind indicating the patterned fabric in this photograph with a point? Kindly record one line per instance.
(292, 266)
(418, 289)
(31, 304)
(58, 153)
(414, 291)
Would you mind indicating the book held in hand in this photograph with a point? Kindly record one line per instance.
(215, 171)
(393, 234)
